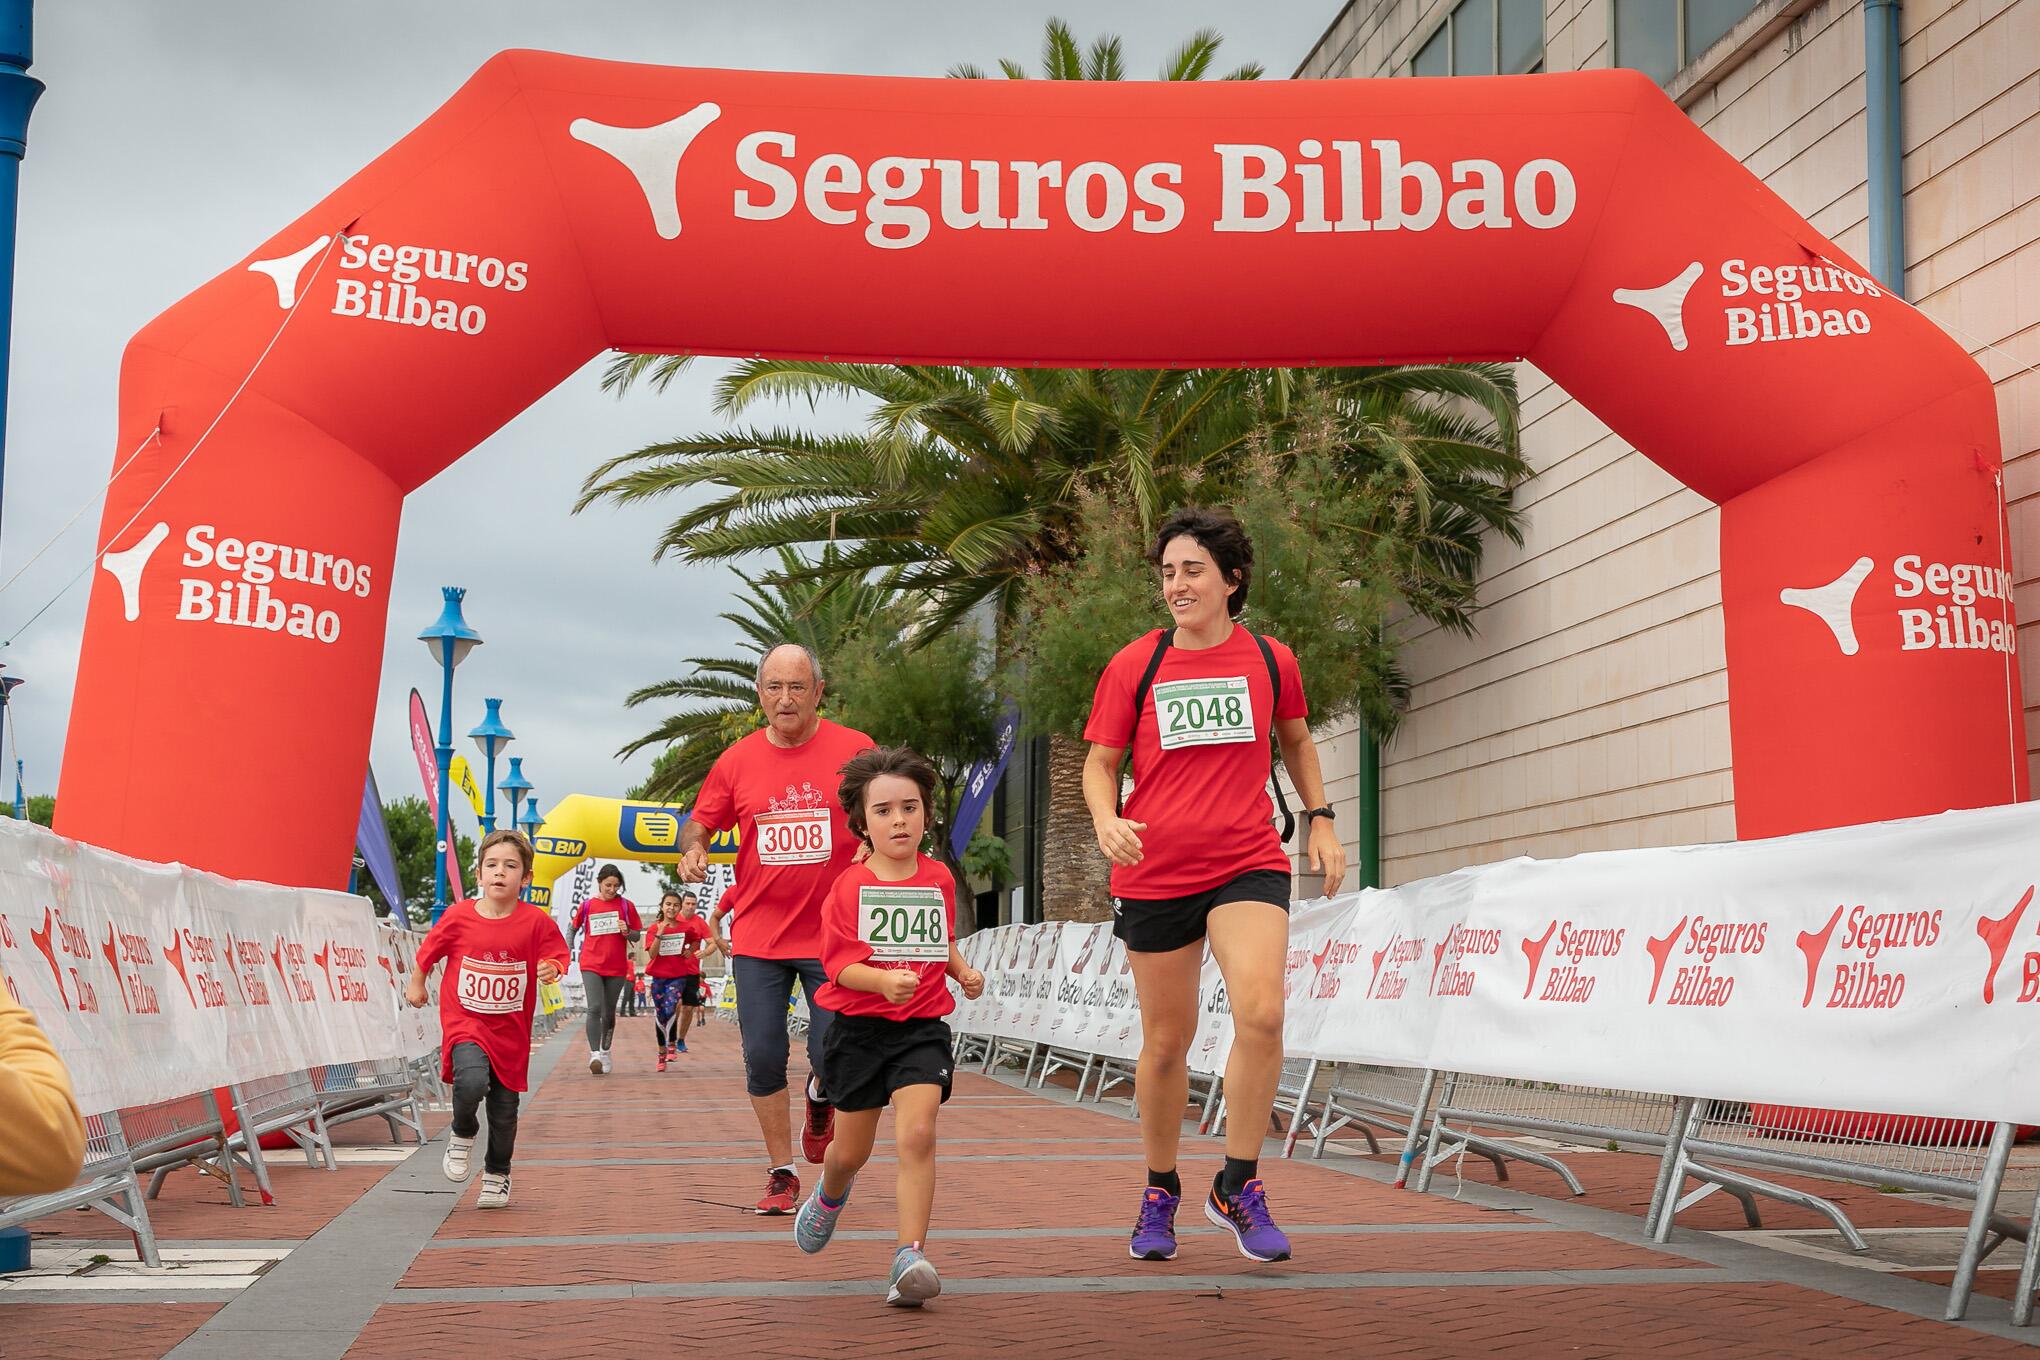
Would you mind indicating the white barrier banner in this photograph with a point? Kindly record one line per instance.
(417, 1026)
(1891, 968)
(154, 981)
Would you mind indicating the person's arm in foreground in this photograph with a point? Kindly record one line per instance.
(44, 1142)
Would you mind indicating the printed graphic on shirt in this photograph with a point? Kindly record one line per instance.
(794, 836)
(903, 924)
(489, 987)
(1204, 712)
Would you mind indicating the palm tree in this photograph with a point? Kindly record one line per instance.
(790, 605)
(1062, 60)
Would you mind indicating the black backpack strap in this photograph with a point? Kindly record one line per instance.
(1274, 688)
(1140, 694)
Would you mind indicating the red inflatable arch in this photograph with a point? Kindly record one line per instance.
(557, 206)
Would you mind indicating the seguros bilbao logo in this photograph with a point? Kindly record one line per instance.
(246, 583)
(1697, 982)
(1763, 304)
(1997, 936)
(1866, 976)
(1574, 949)
(1955, 609)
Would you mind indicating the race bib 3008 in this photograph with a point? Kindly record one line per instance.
(491, 988)
(1204, 712)
(903, 924)
(799, 836)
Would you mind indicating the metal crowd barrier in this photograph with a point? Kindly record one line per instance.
(162, 1137)
(106, 1182)
(287, 1104)
(381, 1089)
(1470, 1103)
(1368, 1098)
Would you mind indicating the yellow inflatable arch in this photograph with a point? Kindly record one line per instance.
(582, 826)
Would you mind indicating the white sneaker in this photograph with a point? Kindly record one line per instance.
(455, 1164)
(596, 1066)
(495, 1190)
(605, 1061)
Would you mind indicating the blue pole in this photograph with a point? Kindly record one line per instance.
(1886, 144)
(489, 793)
(445, 754)
(18, 93)
(20, 796)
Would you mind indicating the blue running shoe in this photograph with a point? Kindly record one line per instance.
(815, 1224)
(1246, 1217)
(1154, 1232)
(680, 1047)
(913, 1281)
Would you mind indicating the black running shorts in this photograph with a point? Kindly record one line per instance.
(865, 1058)
(690, 989)
(1169, 923)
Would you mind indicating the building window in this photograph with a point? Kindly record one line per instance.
(1662, 37)
(1484, 38)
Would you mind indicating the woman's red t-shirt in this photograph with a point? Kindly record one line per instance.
(675, 948)
(907, 924)
(490, 987)
(1205, 797)
(605, 949)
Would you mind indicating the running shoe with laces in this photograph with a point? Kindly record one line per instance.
(913, 1280)
(662, 1060)
(680, 1047)
(780, 1192)
(816, 1222)
(495, 1190)
(817, 1128)
(1154, 1232)
(1246, 1217)
(455, 1163)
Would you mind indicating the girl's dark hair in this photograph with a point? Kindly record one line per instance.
(513, 839)
(1219, 534)
(868, 765)
(608, 871)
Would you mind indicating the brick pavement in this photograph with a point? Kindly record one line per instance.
(629, 1225)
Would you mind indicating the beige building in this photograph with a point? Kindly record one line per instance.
(1590, 711)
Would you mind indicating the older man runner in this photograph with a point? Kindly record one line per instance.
(778, 788)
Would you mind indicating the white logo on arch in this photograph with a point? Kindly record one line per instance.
(1666, 303)
(1834, 604)
(652, 155)
(285, 270)
(126, 567)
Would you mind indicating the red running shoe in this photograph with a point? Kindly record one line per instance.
(781, 1193)
(662, 1060)
(817, 1129)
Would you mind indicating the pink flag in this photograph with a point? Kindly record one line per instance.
(428, 769)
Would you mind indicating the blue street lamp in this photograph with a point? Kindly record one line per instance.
(449, 639)
(530, 822)
(516, 785)
(490, 737)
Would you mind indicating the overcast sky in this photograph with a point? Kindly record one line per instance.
(174, 137)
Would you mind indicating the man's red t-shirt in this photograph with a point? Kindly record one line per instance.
(605, 950)
(794, 837)
(907, 924)
(490, 987)
(675, 948)
(1205, 797)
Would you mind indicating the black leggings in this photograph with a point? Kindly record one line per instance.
(603, 994)
(475, 1083)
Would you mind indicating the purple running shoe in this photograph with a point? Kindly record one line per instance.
(1154, 1235)
(1246, 1217)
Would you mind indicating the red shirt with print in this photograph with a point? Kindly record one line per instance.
(676, 948)
(490, 987)
(794, 838)
(905, 924)
(605, 949)
(1204, 797)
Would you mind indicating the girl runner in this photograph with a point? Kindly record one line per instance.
(674, 942)
(887, 946)
(1197, 703)
(499, 951)
(606, 923)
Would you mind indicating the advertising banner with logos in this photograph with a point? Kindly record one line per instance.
(557, 206)
(417, 1026)
(1892, 968)
(154, 981)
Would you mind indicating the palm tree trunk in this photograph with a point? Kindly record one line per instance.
(1075, 876)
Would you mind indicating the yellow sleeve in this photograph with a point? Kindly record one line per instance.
(45, 1142)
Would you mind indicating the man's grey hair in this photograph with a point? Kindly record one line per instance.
(814, 662)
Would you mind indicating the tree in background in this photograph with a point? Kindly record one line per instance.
(1062, 59)
(42, 808)
(935, 696)
(414, 841)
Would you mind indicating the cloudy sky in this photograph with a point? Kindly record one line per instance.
(176, 136)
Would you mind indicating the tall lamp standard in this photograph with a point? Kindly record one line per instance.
(8, 684)
(490, 737)
(449, 639)
(516, 786)
(530, 822)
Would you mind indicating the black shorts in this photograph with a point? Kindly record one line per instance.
(865, 1058)
(1167, 923)
(690, 989)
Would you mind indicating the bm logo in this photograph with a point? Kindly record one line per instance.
(647, 829)
(560, 845)
(538, 897)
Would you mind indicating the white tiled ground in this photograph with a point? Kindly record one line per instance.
(183, 1268)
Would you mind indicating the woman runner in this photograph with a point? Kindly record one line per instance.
(610, 922)
(1197, 704)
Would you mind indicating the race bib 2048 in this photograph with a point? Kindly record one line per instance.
(903, 924)
(491, 988)
(799, 836)
(1204, 712)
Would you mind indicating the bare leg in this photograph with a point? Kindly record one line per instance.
(775, 1122)
(914, 1110)
(849, 1150)
(1167, 987)
(1249, 941)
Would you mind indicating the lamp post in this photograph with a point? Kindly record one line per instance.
(490, 736)
(530, 822)
(8, 684)
(515, 785)
(449, 639)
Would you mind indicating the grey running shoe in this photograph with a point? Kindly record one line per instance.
(913, 1281)
(816, 1222)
